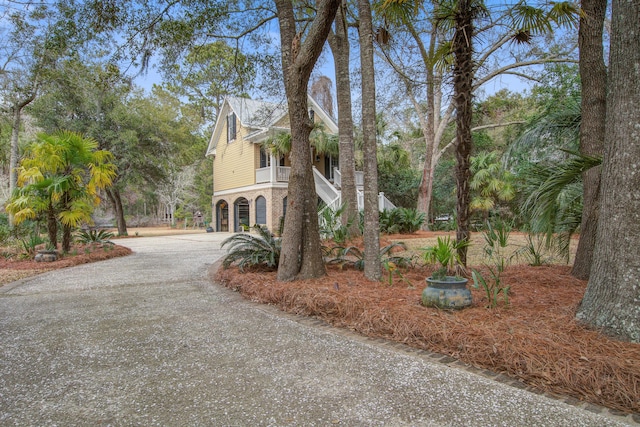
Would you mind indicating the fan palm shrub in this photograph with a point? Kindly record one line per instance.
(59, 179)
(246, 250)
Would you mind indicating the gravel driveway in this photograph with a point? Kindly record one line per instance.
(147, 340)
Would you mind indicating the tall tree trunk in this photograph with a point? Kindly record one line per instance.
(116, 203)
(462, 87)
(593, 75)
(339, 43)
(301, 257)
(372, 265)
(612, 298)
(425, 191)
(14, 155)
(66, 238)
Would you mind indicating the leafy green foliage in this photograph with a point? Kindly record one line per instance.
(400, 186)
(208, 73)
(554, 129)
(5, 230)
(410, 219)
(389, 221)
(534, 250)
(493, 287)
(444, 202)
(397, 179)
(248, 250)
(496, 238)
(331, 226)
(400, 220)
(148, 135)
(30, 243)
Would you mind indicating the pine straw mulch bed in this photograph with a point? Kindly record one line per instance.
(14, 268)
(536, 339)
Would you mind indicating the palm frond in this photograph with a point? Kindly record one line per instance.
(554, 206)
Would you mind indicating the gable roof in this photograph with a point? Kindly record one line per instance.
(260, 118)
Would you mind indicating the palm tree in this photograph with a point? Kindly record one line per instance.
(459, 16)
(490, 182)
(60, 177)
(463, 13)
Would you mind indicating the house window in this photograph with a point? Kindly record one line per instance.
(261, 210)
(231, 127)
(312, 115)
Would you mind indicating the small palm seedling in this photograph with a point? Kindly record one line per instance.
(497, 240)
(352, 256)
(445, 253)
(29, 245)
(253, 250)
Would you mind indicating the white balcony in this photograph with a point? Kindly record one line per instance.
(281, 174)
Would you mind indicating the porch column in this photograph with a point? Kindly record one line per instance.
(274, 168)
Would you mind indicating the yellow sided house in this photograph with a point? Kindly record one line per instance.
(249, 183)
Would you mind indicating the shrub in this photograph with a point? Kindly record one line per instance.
(389, 221)
(401, 220)
(410, 219)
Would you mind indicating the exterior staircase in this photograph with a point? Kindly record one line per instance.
(330, 194)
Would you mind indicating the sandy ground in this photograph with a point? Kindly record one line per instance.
(159, 231)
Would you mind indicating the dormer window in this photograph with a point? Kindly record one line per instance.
(231, 127)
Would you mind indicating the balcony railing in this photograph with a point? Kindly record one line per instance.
(264, 174)
(337, 178)
(282, 173)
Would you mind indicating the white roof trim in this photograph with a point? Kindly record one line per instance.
(259, 117)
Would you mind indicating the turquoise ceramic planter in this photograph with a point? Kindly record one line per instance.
(46, 256)
(450, 293)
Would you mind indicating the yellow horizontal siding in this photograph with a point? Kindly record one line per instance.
(234, 164)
